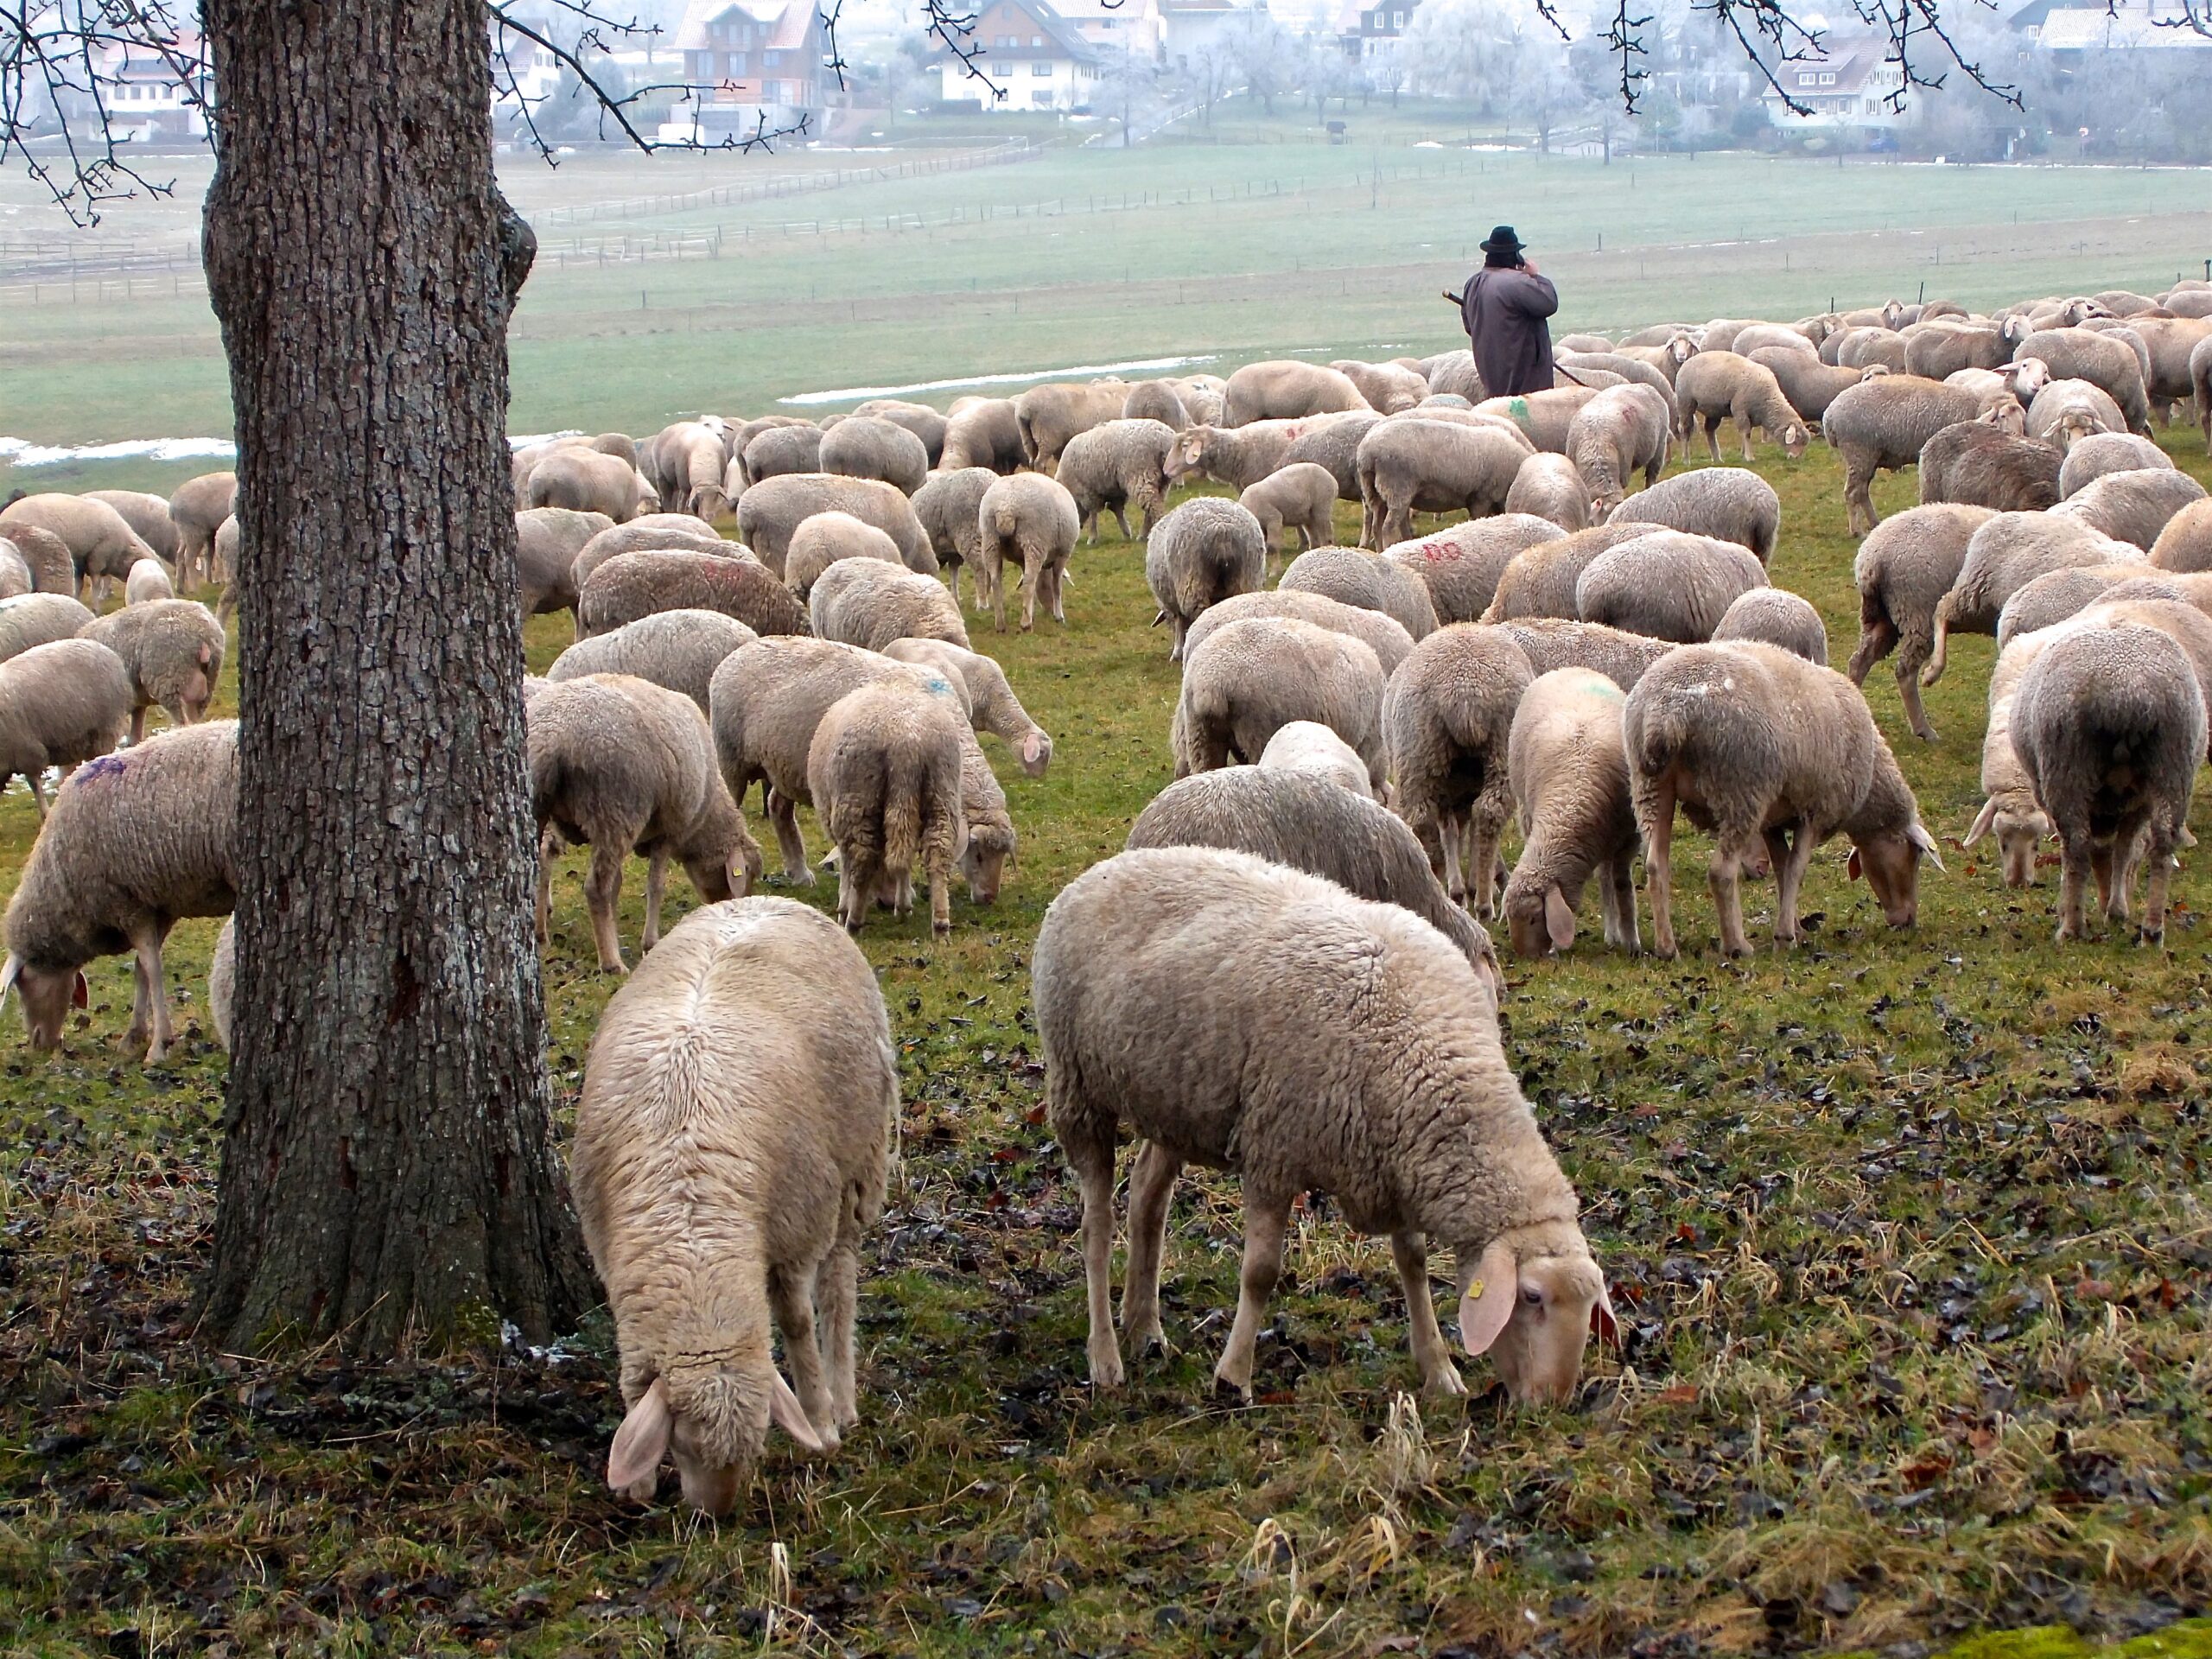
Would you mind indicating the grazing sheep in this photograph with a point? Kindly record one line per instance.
(1032, 522)
(677, 650)
(1623, 430)
(1975, 463)
(2009, 809)
(866, 445)
(646, 533)
(2132, 506)
(1388, 387)
(100, 542)
(2055, 595)
(1809, 384)
(2065, 411)
(30, 619)
(1567, 767)
(1333, 441)
(945, 504)
(1937, 351)
(1308, 746)
(2089, 458)
(15, 571)
(148, 518)
(45, 558)
(2200, 380)
(1255, 677)
(1551, 642)
(1904, 569)
(1454, 374)
(2006, 554)
(135, 842)
(1361, 578)
(823, 540)
(149, 580)
(222, 982)
(1117, 465)
(1386, 1086)
(884, 772)
(1156, 400)
(1204, 552)
(1882, 423)
(992, 705)
(1204, 397)
(547, 542)
(1543, 417)
(867, 603)
(1284, 389)
(584, 480)
(1714, 386)
(2109, 726)
(1550, 487)
(770, 513)
(173, 649)
(1322, 826)
(990, 850)
(782, 449)
(1301, 498)
(1408, 465)
(1460, 565)
(60, 704)
(732, 1148)
(983, 432)
(1779, 618)
(1239, 457)
(628, 767)
(1446, 722)
(926, 424)
(1384, 635)
(1760, 746)
(2185, 544)
(1048, 416)
(198, 507)
(1667, 584)
(1861, 349)
(634, 585)
(1540, 580)
(2105, 362)
(684, 464)
(1726, 503)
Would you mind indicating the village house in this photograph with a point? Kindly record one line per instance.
(747, 61)
(1848, 84)
(1036, 57)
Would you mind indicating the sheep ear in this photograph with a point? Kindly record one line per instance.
(1984, 821)
(1851, 870)
(785, 1412)
(1159, 617)
(1604, 1323)
(739, 877)
(641, 1442)
(1559, 920)
(1918, 837)
(206, 655)
(1032, 748)
(9, 974)
(80, 992)
(1490, 1298)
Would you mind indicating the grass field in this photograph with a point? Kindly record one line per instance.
(1911, 1231)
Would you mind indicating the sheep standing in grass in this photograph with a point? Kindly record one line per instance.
(1727, 502)
(1251, 678)
(1714, 386)
(1760, 746)
(1550, 487)
(647, 533)
(1239, 457)
(946, 506)
(198, 507)
(1620, 432)
(983, 432)
(135, 843)
(30, 619)
(2089, 458)
(1408, 465)
(2107, 363)
(782, 449)
(1543, 417)
(16, 576)
(1301, 498)
(101, 542)
(678, 651)
(1309, 748)
(1361, 578)
(1779, 618)
(547, 543)
(1383, 635)
(1977, 464)
(866, 445)
(634, 585)
(1031, 522)
(1461, 564)
(884, 772)
(684, 464)
(1047, 416)
(2005, 554)
(149, 580)
(2185, 544)
(1333, 442)
(1284, 389)
(1809, 384)
(867, 603)
(1667, 584)
(45, 560)
(173, 650)
(1117, 465)
(1551, 643)
(2132, 506)
(1143, 956)
(1567, 767)
(1882, 423)
(1156, 400)
(2064, 412)
(928, 425)
(1447, 722)
(2109, 726)
(992, 705)
(60, 704)
(1540, 580)
(1904, 569)
(732, 1148)
(2055, 595)
(1204, 552)
(770, 513)
(584, 480)
(2009, 809)
(827, 537)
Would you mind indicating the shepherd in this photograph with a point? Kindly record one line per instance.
(1503, 309)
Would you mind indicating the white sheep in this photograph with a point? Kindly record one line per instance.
(1030, 521)
(1309, 748)
(867, 603)
(1567, 767)
(1251, 678)
(883, 770)
(1204, 552)
(1447, 722)
(60, 704)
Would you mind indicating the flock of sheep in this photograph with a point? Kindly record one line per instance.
(1286, 974)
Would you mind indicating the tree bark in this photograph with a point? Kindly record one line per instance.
(389, 1173)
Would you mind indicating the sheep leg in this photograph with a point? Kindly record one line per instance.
(1659, 869)
(1091, 1157)
(940, 869)
(2073, 876)
(998, 595)
(142, 1021)
(836, 1283)
(1743, 431)
(603, 894)
(1121, 518)
(1713, 435)
(1789, 853)
(783, 818)
(37, 782)
(2105, 859)
(792, 1302)
(1431, 1357)
(150, 1005)
(1721, 878)
(547, 851)
(1429, 832)
(1151, 1184)
(1267, 1218)
(2126, 853)
(1616, 893)
(1857, 494)
(1455, 882)
(656, 884)
(1480, 838)
(860, 873)
(2154, 894)
(1913, 651)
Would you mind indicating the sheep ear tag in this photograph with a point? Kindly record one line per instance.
(1490, 1298)
(1851, 869)
(1604, 1324)
(641, 1442)
(785, 1412)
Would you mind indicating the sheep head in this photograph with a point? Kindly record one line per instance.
(713, 1420)
(1531, 1299)
(1890, 860)
(48, 995)
(2018, 834)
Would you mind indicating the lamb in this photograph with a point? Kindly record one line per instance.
(884, 772)
(1301, 498)
(946, 506)
(198, 507)
(732, 1148)
(46, 559)
(1308, 746)
(100, 542)
(1903, 570)
(1254, 677)
(927, 424)
(1388, 387)
(1543, 417)
(1156, 400)
(1551, 643)
(134, 843)
(1383, 635)
(1779, 618)
(1117, 465)
(2109, 726)
(1284, 389)
(547, 542)
(1978, 464)
(1882, 425)
(1408, 464)
(770, 513)
(782, 449)
(1759, 744)
(1621, 431)
(992, 705)
(867, 446)
(60, 704)
(649, 532)
(2185, 544)
(867, 603)
(1667, 584)
(149, 580)
(628, 766)
(2105, 362)
(1717, 385)
(2055, 595)
(1204, 552)
(1322, 826)
(2004, 556)
(823, 540)
(1049, 416)
(1142, 955)
(30, 619)
(1446, 722)
(1540, 580)
(983, 432)
(1567, 767)
(1550, 487)
(1239, 457)
(1809, 384)
(172, 652)
(585, 481)
(634, 585)
(1363, 579)
(1461, 565)
(1727, 503)
(1032, 521)
(2065, 411)
(2089, 458)
(2132, 506)
(678, 651)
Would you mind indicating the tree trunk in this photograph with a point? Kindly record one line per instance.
(388, 1168)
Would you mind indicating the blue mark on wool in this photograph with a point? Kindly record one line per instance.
(107, 766)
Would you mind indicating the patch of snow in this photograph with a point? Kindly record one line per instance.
(854, 394)
(24, 452)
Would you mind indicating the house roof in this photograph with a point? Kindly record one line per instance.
(1087, 12)
(1061, 36)
(788, 24)
(1201, 8)
(2076, 29)
(1850, 67)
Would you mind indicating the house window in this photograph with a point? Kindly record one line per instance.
(1041, 100)
(1042, 70)
(1827, 80)
(771, 60)
(1036, 42)
(1397, 20)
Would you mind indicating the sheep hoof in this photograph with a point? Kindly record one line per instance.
(615, 969)
(1231, 1393)
(2152, 936)
(1105, 1371)
(1446, 1382)
(1146, 1344)
(941, 930)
